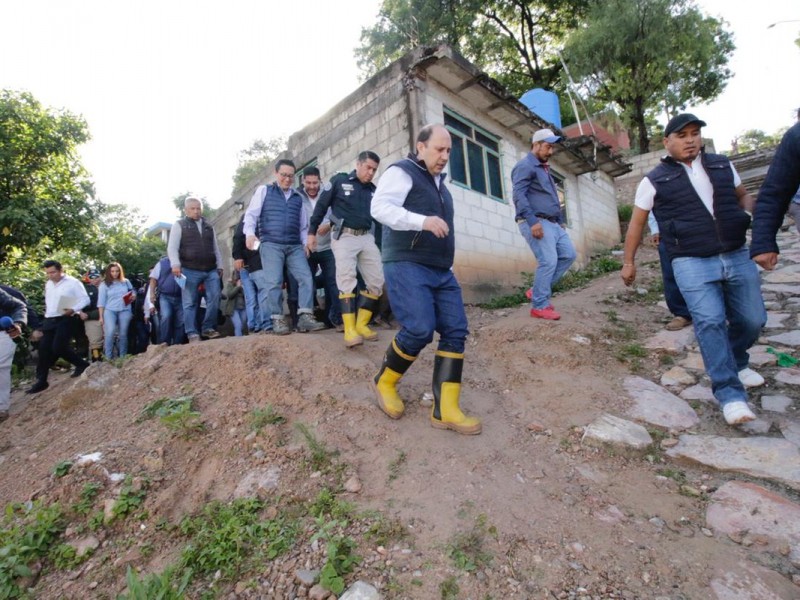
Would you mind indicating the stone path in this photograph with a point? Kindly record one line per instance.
(763, 516)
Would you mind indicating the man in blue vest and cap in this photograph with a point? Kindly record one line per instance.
(699, 202)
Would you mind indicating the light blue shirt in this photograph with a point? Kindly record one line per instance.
(110, 296)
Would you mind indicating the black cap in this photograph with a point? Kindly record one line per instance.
(680, 121)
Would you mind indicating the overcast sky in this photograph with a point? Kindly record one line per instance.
(173, 90)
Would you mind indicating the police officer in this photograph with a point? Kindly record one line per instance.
(353, 244)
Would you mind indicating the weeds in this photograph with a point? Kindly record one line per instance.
(466, 549)
(261, 417)
(674, 474)
(326, 503)
(28, 532)
(88, 495)
(65, 557)
(321, 456)
(449, 589)
(224, 536)
(341, 561)
(155, 586)
(384, 530)
(396, 465)
(62, 468)
(177, 414)
(131, 497)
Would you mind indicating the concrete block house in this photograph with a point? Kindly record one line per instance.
(491, 131)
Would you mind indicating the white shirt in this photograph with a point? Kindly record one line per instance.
(67, 287)
(646, 193)
(387, 203)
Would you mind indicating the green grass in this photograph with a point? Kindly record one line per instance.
(468, 550)
(232, 537)
(321, 458)
(131, 497)
(261, 417)
(449, 589)
(88, 495)
(156, 586)
(396, 465)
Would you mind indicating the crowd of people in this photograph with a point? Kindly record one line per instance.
(360, 245)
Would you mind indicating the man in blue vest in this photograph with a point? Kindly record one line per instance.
(538, 216)
(418, 246)
(276, 211)
(700, 203)
(194, 253)
(166, 295)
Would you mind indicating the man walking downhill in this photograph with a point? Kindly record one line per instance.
(538, 215)
(699, 203)
(418, 247)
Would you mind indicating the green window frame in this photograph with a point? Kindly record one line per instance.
(475, 158)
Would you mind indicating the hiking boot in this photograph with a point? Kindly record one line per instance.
(548, 313)
(306, 322)
(738, 412)
(677, 324)
(280, 326)
(194, 338)
(37, 387)
(211, 334)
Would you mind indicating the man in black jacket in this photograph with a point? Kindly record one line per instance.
(699, 202)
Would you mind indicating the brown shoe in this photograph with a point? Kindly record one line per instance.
(678, 323)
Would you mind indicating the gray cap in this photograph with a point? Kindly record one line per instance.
(545, 135)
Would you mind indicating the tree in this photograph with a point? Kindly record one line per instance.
(258, 157)
(46, 198)
(755, 139)
(644, 55)
(515, 41)
(208, 211)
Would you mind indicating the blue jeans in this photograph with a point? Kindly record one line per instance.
(554, 254)
(239, 318)
(723, 293)
(273, 257)
(251, 301)
(170, 320)
(116, 323)
(426, 300)
(672, 294)
(191, 299)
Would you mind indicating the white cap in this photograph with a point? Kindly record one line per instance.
(545, 135)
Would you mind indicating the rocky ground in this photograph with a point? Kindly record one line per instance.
(604, 469)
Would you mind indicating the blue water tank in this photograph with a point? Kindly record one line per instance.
(544, 103)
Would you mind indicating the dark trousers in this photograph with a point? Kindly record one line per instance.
(672, 294)
(54, 344)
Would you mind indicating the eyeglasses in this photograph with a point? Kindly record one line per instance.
(286, 175)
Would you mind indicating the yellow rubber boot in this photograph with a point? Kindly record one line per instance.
(395, 364)
(446, 413)
(367, 306)
(348, 305)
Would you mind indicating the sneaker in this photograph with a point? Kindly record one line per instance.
(79, 370)
(211, 334)
(738, 412)
(750, 378)
(340, 327)
(193, 338)
(548, 313)
(306, 322)
(678, 323)
(37, 387)
(280, 326)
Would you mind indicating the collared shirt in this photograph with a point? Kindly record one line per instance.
(174, 245)
(112, 297)
(253, 212)
(646, 193)
(534, 190)
(387, 203)
(69, 292)
(323, 241)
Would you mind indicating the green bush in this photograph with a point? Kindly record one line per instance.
(625, 212)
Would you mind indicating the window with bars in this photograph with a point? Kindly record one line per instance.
(475, 157)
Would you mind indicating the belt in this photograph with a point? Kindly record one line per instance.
(547, 218)
(352, 231)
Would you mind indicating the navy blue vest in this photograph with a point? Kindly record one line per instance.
(424, 198)
(685, 225)
(167, 286)
(279, 222)
(197, 251)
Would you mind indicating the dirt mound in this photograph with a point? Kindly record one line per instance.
(522, 510)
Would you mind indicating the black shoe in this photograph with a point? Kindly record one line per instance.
(37, 387)
(79, 370)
